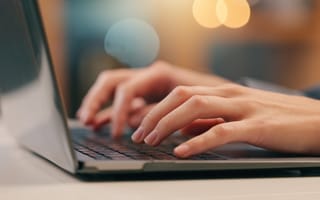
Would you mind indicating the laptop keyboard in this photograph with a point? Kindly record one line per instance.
(100, 146)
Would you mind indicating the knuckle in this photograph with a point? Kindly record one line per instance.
(125, 88)
(257, 137)
(109, 75)
(181, 91)
(230, 86)
(246, 105)
(124, 92)
(161, 68)
(103, 76)
(164, 124)
(251, 104)
(95, 105)
(224, 130)
(199, 101)
(233, 89)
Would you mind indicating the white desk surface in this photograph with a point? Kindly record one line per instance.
(25, 176)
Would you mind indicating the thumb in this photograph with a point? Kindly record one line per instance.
(216, 136)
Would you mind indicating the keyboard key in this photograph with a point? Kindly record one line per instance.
(101, 147)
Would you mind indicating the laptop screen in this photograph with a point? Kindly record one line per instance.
(30, 102)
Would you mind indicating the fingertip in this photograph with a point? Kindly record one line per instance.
(116, 132)
(118, 124)
(182, 151)
(85, 117)
(137, 136)
(152, 139)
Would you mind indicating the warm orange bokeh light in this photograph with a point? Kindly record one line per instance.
(238, 13)
(204, 11)
(213, 13)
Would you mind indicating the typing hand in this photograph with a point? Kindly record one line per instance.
(134, 93)
(269, 120)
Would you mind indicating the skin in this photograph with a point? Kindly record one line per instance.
(134, 93)
(212, 110)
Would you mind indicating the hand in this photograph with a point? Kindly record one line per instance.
(270, 120)
(134, 92)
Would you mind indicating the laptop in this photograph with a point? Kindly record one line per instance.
(34, 114)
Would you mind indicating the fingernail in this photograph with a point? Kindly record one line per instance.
(182, 150)
(152, 138)
(138, 135)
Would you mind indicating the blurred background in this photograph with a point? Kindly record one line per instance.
(276, 41)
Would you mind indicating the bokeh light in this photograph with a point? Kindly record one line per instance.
(238, 13)
(214, 13)
(132, 42)
(204, 12)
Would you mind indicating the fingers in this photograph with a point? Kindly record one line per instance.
(142, 85)
(195, 103)
(137, 116)
(181, 94)
(197, 107)
(102, 118)
(173, 100)
(217, 136)
(100, 93)
(125, 85)
(137, 111)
